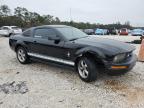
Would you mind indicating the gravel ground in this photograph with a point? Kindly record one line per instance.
(47, 86)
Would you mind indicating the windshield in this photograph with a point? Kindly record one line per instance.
(15, 28)
(71, 33)
(99, 30)
(123, 30)
(138, 30)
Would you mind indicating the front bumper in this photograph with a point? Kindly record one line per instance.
(121, 68)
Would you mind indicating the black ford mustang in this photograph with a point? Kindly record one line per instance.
(68, 45)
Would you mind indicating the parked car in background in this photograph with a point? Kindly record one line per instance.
(129, 31)
(99, 32)
(113, 31)
(124, 31)
(89, 31)
(106, 31)
(137, 32)
(10, 30)
(69, 46)
(81, 30)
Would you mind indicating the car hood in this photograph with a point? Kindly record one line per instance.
(137, 32)
(107, 46)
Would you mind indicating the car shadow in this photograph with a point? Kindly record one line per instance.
(70, 74)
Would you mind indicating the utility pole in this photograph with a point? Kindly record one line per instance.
(70, 15)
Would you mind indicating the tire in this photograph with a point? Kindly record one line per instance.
(22, 55)
(91, 72)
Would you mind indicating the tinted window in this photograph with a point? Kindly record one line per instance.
(138, 30)
(44, 33)
(5, 28)
(71, 33)
(123, 30)
(15, 28)
(27, 33)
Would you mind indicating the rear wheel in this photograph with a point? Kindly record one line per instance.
(87, 69)
(22, 55)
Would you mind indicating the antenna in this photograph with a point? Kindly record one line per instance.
(71, 19)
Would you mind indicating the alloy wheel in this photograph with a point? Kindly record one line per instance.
(21, 55)
(83, 69)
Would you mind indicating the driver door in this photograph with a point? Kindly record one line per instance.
(44, 46)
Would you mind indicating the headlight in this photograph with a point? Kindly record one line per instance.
(119, 58)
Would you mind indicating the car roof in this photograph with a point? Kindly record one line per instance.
(99, 29)
(6, 26)
(53, 26)
(124, 28)
(13, 26)
(48, 26)
(88, 30)
(9, 26)
(137, 29)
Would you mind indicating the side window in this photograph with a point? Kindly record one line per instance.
(5, 28)
(44, 33)
(27, 33)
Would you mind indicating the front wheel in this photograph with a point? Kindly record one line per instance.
(87, 69)
(22, 55)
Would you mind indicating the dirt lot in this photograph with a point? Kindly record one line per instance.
(39, 85)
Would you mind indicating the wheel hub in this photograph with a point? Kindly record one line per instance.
(82, 69)
(21, 55)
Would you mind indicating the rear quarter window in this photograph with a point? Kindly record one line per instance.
(15, 28)
(27, 33)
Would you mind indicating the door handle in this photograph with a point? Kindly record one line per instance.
(35, 41)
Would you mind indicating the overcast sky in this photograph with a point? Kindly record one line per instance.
(93, 11)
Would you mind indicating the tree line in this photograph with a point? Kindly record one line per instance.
(24, 18)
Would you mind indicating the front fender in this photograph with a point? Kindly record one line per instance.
(91, 50)
(21, 43)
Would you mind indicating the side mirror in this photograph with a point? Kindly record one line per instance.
(55, 38)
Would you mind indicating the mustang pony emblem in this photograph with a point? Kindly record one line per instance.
(68, 54)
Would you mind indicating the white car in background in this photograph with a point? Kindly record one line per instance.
(10, 30)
